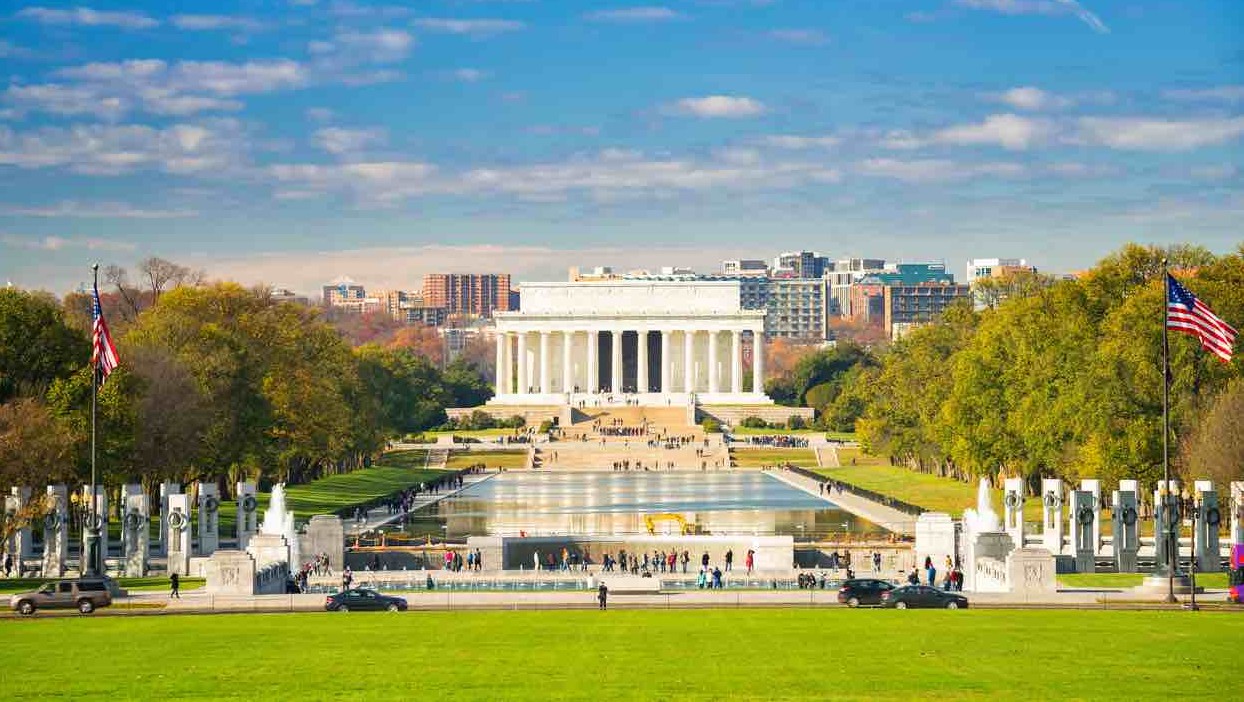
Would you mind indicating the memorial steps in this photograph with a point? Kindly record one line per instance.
(593, 456)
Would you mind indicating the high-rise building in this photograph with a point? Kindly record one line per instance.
(800, 264)
(845, 273)
(349, 296)
(473, 294)
(795, 307)
(907, 296)
(993, 267)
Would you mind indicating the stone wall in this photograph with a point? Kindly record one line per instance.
(732, 415)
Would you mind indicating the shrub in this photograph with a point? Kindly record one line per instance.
(796, 422)
(710, 425)
(515, 422)
(479, 419)
(545, 427)
(754, 423)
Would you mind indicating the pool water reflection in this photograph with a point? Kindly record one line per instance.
(616, 503)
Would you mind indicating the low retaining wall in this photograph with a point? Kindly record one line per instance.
(733, 415)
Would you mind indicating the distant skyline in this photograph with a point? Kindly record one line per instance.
(294, 142)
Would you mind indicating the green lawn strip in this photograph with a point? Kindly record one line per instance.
(12, 585)
(477, 433)
(491, 459)
(1216, 581)
(756, 457)
(341, 493)
(604, 656)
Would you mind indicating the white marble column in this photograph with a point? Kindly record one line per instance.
(524, 382)
(641, 362)
(567, 362)
(546, 356)
(736, 361)
(499, 373)
(508, 362)
(688, 361)
(615, 368)
(667, 363)
(714, 377)
(593, 361)
(758, 361)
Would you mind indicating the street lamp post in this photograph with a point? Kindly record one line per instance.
(1190, 506)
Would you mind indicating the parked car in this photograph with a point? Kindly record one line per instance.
(361, 599)
(922, 596)
(863, 591)
(83, 594)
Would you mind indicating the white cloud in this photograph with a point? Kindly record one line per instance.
(1151, 134)
(798, 143)
(470, 27)
(345, 142)
(60, 243)
(111, 90)
(935, 170)
(606, 175)
(728, 106)
(1006, 130)
(1039, 7)
(806, 37)
(1223, 93)
(1031, 98)
(207, 23)
(214, 146)
(353, 48)
(468, 75)
(97, 210)
(648, 13)
(86, 17)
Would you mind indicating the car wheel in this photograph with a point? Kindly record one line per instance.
(26, 607)
(343, 608)
(952, 605)
(394, 608)
(86, 606)
(900, 605)
(853, 602)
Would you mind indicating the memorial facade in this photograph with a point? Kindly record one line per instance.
(654, 342)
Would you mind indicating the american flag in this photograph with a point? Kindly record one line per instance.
(103, 351)
(1185, 313)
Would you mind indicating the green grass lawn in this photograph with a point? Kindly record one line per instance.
(790, 654)
(12, 585)
(1216, 581)
(394, 472)
(756, 457)
(492, 459)
(477, 433)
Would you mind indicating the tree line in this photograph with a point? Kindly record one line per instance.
(1052, 378)
(217, 382)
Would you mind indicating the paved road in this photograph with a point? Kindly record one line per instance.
(888, 517)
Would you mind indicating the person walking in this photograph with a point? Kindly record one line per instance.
(602, 596)
(729, 559)
(8, 564)
(750, 560)
(876, 561)
(704, 561)
(174, 582)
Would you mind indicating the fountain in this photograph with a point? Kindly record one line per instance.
(277, 540)
(983, 518)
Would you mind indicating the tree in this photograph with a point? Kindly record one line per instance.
(465, 384)
(421, 341)
(36, 346)
(35, 447)
(1215, 449)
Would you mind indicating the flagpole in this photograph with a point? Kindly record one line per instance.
(1172, 555)
(93, 556)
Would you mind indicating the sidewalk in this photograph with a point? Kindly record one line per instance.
(881, 515)
(381, 516)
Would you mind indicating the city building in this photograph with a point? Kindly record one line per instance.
(795, 307)
(906, 296)
(350, 297)
(800, 264)
(994, 267)
(287, 295)
(471, 294)
(843, 274)
(745, 267)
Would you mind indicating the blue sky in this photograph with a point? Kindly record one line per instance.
(295, 142)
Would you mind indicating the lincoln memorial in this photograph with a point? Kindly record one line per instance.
(643, 342)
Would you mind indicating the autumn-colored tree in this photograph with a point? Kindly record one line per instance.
(421, 341)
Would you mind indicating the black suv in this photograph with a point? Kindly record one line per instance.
(82, 594)
(863, 591)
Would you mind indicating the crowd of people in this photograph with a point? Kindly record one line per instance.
(454, 561)
(952, 576)
(776, 441)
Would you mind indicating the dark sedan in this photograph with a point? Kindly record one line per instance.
(863, 591)
(363, 600)
(923, 596)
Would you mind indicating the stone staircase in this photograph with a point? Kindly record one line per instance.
(593, 456)
(437, 459)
